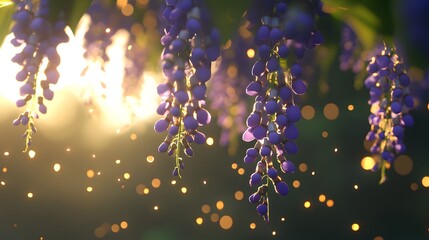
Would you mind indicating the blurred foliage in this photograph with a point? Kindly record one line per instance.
(6, 11)
(227, 16)
(373, 21)
(72, 9)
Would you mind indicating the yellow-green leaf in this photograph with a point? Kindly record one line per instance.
(6, 12)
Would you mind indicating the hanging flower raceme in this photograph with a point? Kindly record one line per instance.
(39, 37)
(283, 35)
(191, 44)
(136, 57)
(106, 20)
(227, 95)
(350, 50)
(390, 102)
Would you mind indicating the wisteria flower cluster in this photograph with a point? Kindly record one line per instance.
(285, 31)
(390, 101)
(191, 44)
(105, 22)
(39, 37)
(227, 94)
(350, 50)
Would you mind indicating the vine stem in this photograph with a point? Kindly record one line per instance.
(31, 109)
(178, 138)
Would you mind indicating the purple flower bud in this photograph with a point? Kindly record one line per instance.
(287, 167)
(281, 188)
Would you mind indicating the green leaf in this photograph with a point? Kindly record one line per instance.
(73, 10)
(364, 22)
(6, 12)
(227, 14)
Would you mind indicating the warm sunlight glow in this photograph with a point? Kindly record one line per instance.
(84, 84)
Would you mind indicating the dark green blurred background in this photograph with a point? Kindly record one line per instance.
(61, 208)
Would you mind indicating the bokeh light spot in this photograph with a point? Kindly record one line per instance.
(115, 228)
(378, 238)
(57, 167)
(252, 226)
(100, 232)
(156, 183)
(219, 205)
(303, 167)
(367, 163)
(127, 176)
(183, 190)
(150, 159)
(140, 189)
(330, 203)
(355, 227)
(231, 71)
(240, 171)
(307, 204)
(425, 181)
(251, 54)
(205, 208)
(133, 136)
(225, 222)
(234, 166)
(89, 189)
(325, 134)
(331, 111)
(296, 184)
(127, 10)
(124, 224)
(351, 107)
(403, 165)
(414, 186)
(239, 195)
(308, 112)
(209, 141)
(214, 217)
(322, 198)
(199, 220)
(90, 173)
(121, 3)
(30, 195)
(31, 154)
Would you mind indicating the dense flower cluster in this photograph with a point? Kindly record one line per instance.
(136, 56)
(390, 102)
(105, 22)
(39, 37)
(350, 50)
(191, 44)
(285, 32)
(227, 94)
